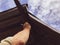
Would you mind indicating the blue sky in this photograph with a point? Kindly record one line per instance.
(23, 1)
(7, 4)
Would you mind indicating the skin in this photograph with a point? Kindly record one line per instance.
(22, 37)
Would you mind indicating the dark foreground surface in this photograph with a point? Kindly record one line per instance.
(40, 34)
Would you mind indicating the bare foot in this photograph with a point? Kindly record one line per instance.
(21, 37)
(27, 25)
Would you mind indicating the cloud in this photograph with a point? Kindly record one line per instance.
(33, 4)
(47, 11)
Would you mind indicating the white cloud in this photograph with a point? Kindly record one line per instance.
(33, 4)
(48, 11)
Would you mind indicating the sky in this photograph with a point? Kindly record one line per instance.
(8, 4)
(47, 11)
